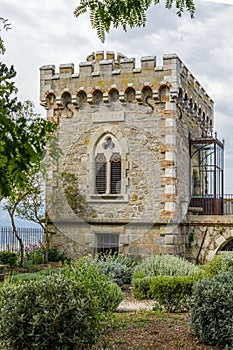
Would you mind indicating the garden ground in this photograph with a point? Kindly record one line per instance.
(145, 329)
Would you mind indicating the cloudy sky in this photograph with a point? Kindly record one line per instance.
(46, 32)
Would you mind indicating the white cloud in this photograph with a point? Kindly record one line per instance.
(229, 2)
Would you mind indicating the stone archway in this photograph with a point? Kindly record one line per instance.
(222, 242)
(208, 235)
(228, 247)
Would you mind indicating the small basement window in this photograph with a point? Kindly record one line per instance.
(107, 243)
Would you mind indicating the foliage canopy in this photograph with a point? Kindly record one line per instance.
(132, 13)
(23, 135)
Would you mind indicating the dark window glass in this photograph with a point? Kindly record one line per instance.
(115, 173)
(100, 171)
(107, 243)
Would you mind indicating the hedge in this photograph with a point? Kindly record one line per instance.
(211, 313)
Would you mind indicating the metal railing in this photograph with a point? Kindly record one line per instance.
(228, 204)
(214, 205)
(32, 238)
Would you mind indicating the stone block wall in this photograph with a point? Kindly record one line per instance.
(206, 236)
(151, 113)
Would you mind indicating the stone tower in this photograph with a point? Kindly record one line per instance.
(123, 181)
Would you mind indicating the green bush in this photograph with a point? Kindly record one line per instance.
(118, 268)
(213, 267)
(19, 277)
(92, 278)
(141, 287)
(68, 310)
(167, 279)
(211, 310)
(37, 256)
(172, 292)
(30, 266)
(54, 255)
(164, 265)
(217, 265)
(8, 258)
(227, 263)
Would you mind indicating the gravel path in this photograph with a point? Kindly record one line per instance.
(135, 305)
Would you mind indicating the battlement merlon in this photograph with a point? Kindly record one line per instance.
(100, 65)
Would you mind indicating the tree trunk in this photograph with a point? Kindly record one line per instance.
(47, 244)
(15, 232)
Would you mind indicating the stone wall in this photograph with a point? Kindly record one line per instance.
(206, 236)
(151, 113)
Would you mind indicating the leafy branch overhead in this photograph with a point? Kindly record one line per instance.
(23, 134)
(132, 13)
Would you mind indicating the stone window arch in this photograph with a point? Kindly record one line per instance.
(115, 176)
(97, 97)
(66, 99)
(68, 107)
(53, 112)
(100, 173)
(190, 105)
(108, 164)
(81, 99)
(204, 117)
(195, 111)
(130, 95)
(211, 126)
(113, 95)
(146, 94)
(50, 100)
(164, 94)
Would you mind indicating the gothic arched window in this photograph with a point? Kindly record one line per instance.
(108, 167)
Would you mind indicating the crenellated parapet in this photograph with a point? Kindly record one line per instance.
(108, 78)
(105, 78)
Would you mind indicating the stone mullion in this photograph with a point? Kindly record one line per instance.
(108, 177)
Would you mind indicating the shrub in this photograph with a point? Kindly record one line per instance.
(19, 277)
(227, 263)
(8, 258)
(172, 292)
(118, 268)
(30, 266)
(61, 311)
(54, 255)
(164, 265)
(37, 255)
(91, 277)
(211, 312)
(213, 267)
(217, 265)
(167, 279)
(141, 287)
